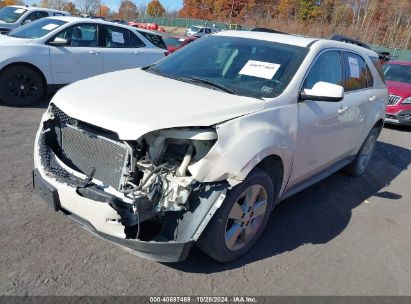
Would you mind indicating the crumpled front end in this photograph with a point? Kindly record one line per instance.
(138, 193)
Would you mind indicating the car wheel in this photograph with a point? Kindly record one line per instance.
(241, 219)
(361, 161)
(21, 86)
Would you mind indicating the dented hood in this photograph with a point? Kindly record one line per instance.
(134, 102)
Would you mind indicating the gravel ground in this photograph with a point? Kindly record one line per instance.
(343, 236)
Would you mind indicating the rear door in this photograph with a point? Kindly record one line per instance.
(358, 100)
(123, 49)
(81, 58)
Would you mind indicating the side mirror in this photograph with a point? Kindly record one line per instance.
(26, 21)
(323, 91)
(59, 41)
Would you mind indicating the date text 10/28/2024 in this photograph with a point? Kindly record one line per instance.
(203, 299)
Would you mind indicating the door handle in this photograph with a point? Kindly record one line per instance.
(373, 98)
(342, 109)
(138, 52)
(93, 52)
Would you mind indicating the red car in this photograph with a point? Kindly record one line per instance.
(174, 43)
(398, 78)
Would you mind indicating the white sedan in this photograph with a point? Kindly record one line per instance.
(52, 52)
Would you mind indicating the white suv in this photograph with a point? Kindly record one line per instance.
(12, 17)
(52, 52)
(190, 151)
(200, 31)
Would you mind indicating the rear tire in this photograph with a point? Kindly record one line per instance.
(364, 155)
(240, 221)
(21, 86)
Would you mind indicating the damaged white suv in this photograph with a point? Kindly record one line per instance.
(199, 147)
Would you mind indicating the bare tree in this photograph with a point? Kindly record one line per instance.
(89, 7)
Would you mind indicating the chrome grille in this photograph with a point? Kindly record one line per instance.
(85, 151)
(393, 99)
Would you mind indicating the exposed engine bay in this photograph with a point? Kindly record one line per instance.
(143, 180)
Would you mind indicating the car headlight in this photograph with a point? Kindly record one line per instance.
(171, 144)
(407, 101)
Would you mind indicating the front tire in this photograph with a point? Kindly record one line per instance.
(240, 221)
(21, 86)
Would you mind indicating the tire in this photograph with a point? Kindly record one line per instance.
(21, 86)
(245, 230)
(364, 155)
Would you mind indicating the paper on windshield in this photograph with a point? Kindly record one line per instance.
(260, 69)
(354, 68)
(117, 37)
(50, 27)
(19, 11)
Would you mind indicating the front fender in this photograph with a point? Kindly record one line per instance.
(36, 56)
(245, 141)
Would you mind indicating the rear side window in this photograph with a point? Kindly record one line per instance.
(117, 37)
(357, 73)
(378, 66)
(327, 68)
(157, 40)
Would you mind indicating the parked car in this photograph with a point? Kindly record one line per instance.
(52, 52)
(174, 43)
(398, 78)
(200, 31)
(12, 17)
(191, 151)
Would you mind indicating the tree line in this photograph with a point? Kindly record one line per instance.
(384, 22)
(128, 10)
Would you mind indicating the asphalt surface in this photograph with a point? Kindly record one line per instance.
(343, 236)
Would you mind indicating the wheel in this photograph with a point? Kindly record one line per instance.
(21, 86)
(241, 219)
(361, 161)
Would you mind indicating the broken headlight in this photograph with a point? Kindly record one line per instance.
(161, 166)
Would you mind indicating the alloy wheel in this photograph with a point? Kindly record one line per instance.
(246, 217)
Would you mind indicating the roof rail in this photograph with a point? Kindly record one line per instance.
(266, 30)
(349, 40)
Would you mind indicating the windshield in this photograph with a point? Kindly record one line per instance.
(11, 14)
(397, 72)
(174, 41)
(37, 29)
(242, 66)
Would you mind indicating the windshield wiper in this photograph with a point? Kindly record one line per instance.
(211, 83)
(153, 69)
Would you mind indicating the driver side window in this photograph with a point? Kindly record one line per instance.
(327, 68)
(81, 35)
(35, 16)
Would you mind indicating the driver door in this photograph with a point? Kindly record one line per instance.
(80, 58)
(320, 137)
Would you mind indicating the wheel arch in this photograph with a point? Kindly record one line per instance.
(379, 124)
(273, 165)
(29, 65)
